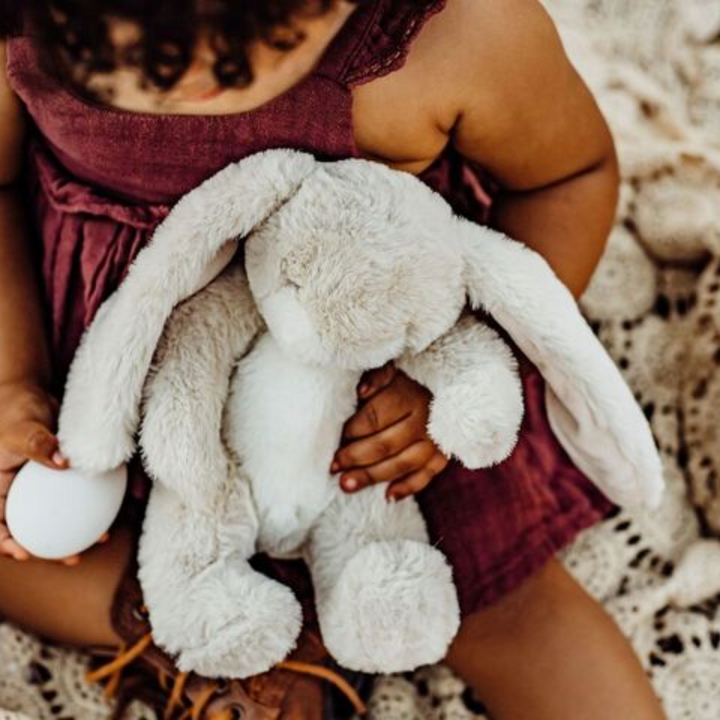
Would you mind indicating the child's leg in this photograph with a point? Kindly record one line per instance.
(72, 605)
(549, 651)
(67, 604)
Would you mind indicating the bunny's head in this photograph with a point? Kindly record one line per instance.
(358, 267)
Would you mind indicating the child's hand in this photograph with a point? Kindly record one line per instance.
(27, 416)
(387, 440)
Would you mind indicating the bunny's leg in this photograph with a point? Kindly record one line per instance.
(385, 597)
(208, 606)
(477, 403)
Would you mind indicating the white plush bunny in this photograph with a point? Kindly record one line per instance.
(347, 265)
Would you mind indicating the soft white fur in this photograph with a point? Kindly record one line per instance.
(349, 265)
(119, 345)
(591, 409)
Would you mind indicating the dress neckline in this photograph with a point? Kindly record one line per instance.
(327, 67)
(155, 158)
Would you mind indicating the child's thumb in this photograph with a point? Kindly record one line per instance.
(376, 380)
(33, 441)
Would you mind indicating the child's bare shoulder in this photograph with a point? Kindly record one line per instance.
(487, 60)
(490, 46)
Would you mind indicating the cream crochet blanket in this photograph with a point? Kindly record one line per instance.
(655, 68)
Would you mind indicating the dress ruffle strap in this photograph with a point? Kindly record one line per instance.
(385, 44)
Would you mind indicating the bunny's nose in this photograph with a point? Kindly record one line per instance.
(291, 325)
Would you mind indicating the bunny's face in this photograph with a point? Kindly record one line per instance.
(357, 267)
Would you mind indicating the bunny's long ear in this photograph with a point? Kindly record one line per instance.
(590, 408)
(100, 411)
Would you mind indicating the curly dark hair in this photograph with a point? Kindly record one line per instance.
(76, 34)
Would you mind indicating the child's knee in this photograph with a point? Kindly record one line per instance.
(542, 603)
(550, 627)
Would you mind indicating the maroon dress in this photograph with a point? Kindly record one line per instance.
(102, 179)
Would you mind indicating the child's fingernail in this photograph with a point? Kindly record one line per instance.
(104, 538)
(364, 389)
(396, 494)
(335, 466)
(59, 459)
(72, 562)
(22, 556)
(350, 483)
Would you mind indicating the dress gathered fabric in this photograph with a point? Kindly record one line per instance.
(102, 179)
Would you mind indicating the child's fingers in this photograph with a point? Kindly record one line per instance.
(10, 548)
(33, 441)
(6, 478)
(10, 462)
(417, 481)
(408, 461)
(378, 447)
(378, 413)
(399, 399)
(13, 549)
(412, 484)
(375, 380)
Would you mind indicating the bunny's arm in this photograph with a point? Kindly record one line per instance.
(181, 436)
(590, 408)
(477, 402)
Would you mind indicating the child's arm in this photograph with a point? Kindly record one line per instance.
(526, 117)
(22, 338)
(27, 412)
(510, 101)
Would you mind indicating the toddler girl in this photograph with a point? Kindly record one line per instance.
(111, 110)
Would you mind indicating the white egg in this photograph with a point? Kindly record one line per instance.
(57, 513)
